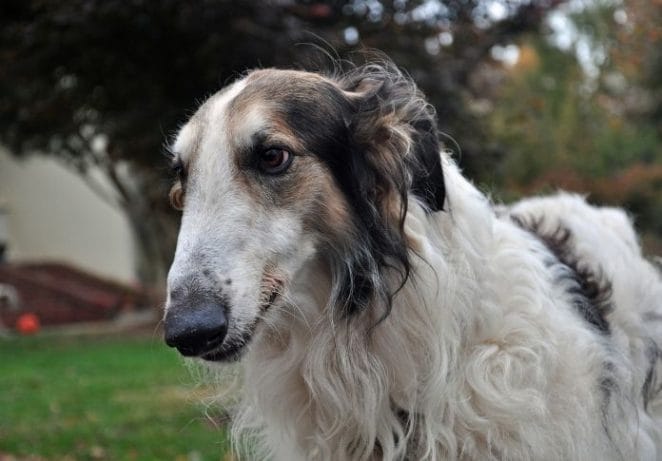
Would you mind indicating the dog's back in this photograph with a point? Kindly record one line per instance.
(603, 243)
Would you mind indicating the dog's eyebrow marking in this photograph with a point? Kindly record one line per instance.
(188, 141)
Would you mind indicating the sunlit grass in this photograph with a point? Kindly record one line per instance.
(95, 399)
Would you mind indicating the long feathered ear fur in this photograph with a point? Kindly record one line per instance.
(395, 152)
(398, 129)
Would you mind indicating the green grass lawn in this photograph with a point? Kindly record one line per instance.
(101, 399)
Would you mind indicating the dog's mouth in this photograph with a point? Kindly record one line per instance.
(232, 349)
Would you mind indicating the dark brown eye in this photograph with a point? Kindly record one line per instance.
(275, 161)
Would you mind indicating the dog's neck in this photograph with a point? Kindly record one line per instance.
(310, 370)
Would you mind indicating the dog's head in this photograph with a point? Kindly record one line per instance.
(285, 167)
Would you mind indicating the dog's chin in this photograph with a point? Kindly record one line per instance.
(225, 354)
(232, 349)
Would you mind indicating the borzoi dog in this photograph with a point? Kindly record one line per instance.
(382, 307)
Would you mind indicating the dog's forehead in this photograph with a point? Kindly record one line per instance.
(309, 108)
(281, 82)
(262, 100)
(277, 92)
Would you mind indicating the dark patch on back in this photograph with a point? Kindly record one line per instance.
(652, 383)
(608, 385)
(652, 316)
(590, 290)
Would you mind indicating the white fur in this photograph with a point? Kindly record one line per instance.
(481, 345)
(482, 349)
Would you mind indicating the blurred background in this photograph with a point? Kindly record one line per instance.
(532, 96)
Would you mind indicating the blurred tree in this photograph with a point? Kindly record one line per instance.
(632, 85)
(100, 84)
(636, 55)
(586, 117)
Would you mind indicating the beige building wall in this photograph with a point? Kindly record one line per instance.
(52, 215)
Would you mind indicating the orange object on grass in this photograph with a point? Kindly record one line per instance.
(27, 324)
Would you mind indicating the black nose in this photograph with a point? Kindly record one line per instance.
(195, 329)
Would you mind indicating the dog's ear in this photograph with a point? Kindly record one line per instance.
(392, 151)
(395, 128)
